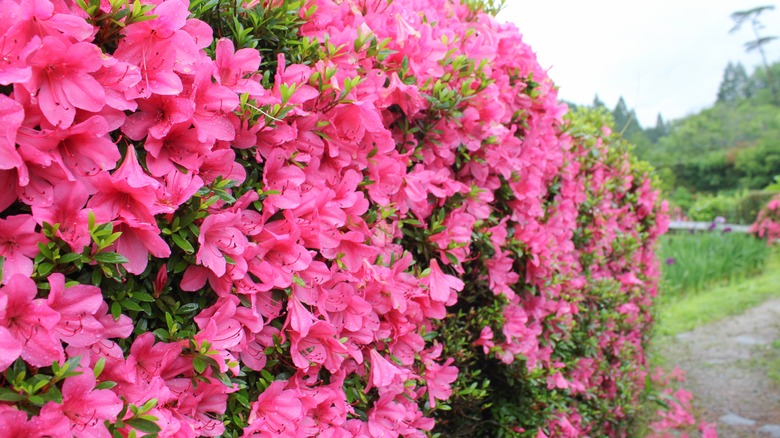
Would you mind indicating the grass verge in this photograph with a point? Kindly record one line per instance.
(683, 313)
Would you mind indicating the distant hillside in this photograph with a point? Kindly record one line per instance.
(732, 145)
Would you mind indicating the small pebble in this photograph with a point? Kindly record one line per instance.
(733, 419)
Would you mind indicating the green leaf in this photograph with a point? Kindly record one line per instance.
(45, 268)
(99, 365)
(183, 243)
(110, 257)
(8, 395)
(144, 425)
(116, 310)
(69, 257)
(199, 364)
(143, 296)
(105, 385)
(451, 257)
(131, 305)
(187, 308)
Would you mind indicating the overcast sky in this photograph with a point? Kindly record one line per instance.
(662, 56)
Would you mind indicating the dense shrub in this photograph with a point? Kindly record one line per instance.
(383, 212)
(738, 208)
(767, 225)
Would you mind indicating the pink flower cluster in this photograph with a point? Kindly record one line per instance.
(357, 185)
(767, 224)
(677, 415)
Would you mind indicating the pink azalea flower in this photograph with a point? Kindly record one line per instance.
(234, 69)
(15, 48)
(10, 347)
(160, 47)
(14, 423)
(18, 245)
(77, 308)
(383, 373)
(31, 322)
(118, 78)
(11, 118)
(386, 417)
(318, 347)
(284, 179)
(68, 211)
(276, 411)
(220, 235)
(41, 18)
(62, 80)
(157, 115)
(179, 148)
(86, 407)
(137, 243)
(442, 287)
(439, 378)
(129, 194)
(195, 405)
(214, 105)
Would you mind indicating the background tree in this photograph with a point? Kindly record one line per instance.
(735, 84)
(751, 15)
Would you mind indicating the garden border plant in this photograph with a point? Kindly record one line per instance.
(377, 226)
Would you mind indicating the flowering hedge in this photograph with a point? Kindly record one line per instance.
(767, 224)
(309, 217)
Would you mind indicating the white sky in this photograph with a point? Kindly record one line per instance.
(661, 56)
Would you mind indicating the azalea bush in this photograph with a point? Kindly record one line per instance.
(310, 218)
(767, 224)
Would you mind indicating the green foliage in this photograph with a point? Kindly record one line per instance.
(271, 27)
(735, 84)
(739, 208)
(679, 313)
(729, 146)
(693, 262)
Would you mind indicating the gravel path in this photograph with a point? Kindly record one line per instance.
(727, 365)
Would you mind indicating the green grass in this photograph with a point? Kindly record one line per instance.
(680, 313)
(773, 362)
(695, 262)
(679, 310)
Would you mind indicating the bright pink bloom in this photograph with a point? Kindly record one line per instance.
(195, 406)
(383, 373)
(442, 287)
(68, 211)
(319, 347)
(220, 235)
(77, 307)
(439, 379)
(10, 347)
(129, 194)
(214, 105)
(161, 48)
(62, 80)
(137, 243)
(236, 68)
(31, 322)
(18, 245)
(11, 118)
(157, 115)
(86, 407)
(277, 411)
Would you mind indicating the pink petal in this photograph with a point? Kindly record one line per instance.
(84, 92)
(10, 349)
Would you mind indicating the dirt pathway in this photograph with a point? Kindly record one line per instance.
(727, 364)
